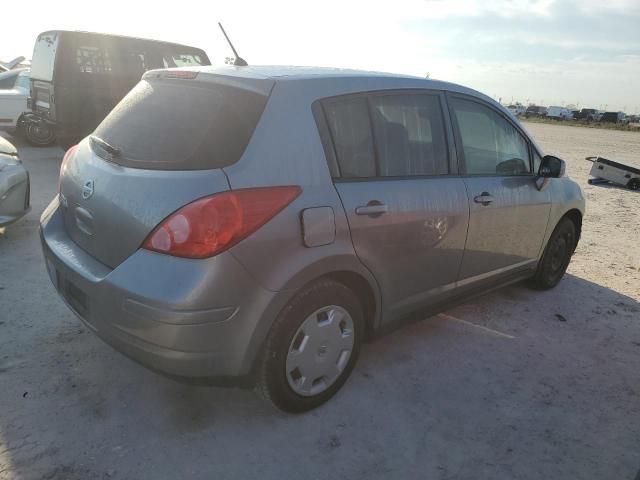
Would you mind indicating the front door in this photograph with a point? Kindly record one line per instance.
(508, 214)
(407, 215)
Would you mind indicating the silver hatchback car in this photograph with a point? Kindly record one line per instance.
(262, 222)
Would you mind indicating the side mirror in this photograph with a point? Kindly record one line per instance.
(551, 167)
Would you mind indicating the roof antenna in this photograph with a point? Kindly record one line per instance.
(239, 61)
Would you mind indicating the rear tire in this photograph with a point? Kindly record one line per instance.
(308, 354)
(39, 135)
(634, 184)
(556, 257)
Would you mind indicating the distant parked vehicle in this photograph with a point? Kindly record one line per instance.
(613, 117)
(78, 77)
(517, 109)
(535, 111)
(588, 114)
(14, 185)
(560, 113)
(14, 105)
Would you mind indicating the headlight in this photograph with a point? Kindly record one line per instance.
(8, 161)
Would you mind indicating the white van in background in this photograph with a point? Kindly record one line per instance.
(517, 109)
(560, 113)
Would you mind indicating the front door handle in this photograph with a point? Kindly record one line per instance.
(372, 209)
(484, 198)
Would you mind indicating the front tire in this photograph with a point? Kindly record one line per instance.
(556, 257)
(312, 347)
(634, 184)
(39, 135)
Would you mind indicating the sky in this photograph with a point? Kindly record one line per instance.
(548, 52)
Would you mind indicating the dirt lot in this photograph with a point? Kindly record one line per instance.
(515, 385)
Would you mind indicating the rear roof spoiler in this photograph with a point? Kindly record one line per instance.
(262, 86)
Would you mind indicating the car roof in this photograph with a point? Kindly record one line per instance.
(293, 72)
(338, 78)
(281, 72)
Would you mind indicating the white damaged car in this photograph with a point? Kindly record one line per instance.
(14, 108)
(14, 185)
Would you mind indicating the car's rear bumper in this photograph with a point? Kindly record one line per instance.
(192, 318)
(14, 194)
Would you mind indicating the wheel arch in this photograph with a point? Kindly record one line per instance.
(363, 290)
(575, 216)
(354, 276)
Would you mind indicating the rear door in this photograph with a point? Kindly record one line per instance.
(508, 214)
(406, 212)
(42, 69)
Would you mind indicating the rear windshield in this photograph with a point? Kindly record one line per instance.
(181, 125)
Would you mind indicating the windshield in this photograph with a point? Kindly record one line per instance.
(22, 81)
(8, 80)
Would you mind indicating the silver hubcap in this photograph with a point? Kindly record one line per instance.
(320, 350)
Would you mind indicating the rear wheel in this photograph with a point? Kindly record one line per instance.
(39, 134)
(556, 257)
(634, 184)
(311, 348)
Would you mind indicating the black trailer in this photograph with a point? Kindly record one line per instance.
(78, 77)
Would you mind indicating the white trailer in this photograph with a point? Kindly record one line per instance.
(559, 113)
(604, 170)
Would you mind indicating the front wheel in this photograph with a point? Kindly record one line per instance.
(39, 134)
(634, 184)
(556, 257)
(312, 347)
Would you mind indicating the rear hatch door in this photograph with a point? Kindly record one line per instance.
(42, 70)
(161, 148)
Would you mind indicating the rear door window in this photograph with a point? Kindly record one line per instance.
(348, 121)
(409, 135)
(387, 135)
(181, 125)
(491, 145)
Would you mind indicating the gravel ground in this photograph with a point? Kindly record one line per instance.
(514, 385)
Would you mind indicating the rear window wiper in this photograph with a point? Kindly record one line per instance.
(110, 149)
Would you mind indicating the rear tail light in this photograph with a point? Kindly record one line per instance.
(184, 74)
(213, 224)
(65, 160)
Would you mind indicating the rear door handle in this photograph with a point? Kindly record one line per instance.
(484, 198)
(373, 209)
